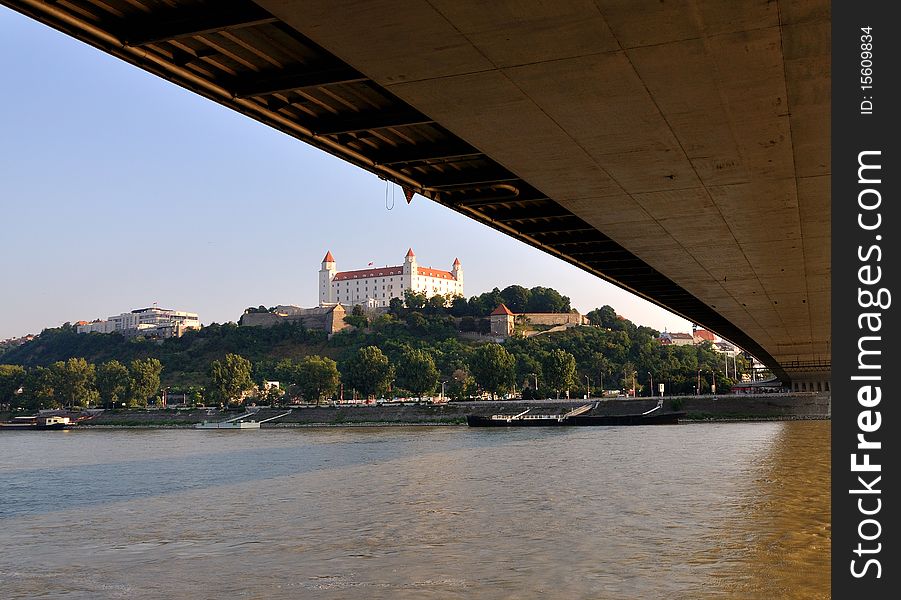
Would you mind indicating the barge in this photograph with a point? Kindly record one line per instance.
(37, 423)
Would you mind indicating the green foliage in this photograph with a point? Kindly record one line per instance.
(602, 353)
(318, 378)
(493, 368)
(230, 378)
(358, 321)
(113, 383)
(416, 371)
(145, 380)
(415, 300)
(185, 360)
(560, 370)
(11, 379)
(73, 382)
(272, 396)
(437, 304)
(630, 378)
(516, 298)
(395, 306)
(602, 317)
(461, 385)
(38, 390)
(369, 372)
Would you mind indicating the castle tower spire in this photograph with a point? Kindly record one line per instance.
(326, 275)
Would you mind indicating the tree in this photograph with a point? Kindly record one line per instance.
(528, 370)
(436, 304)
(598, 365)
(11, 379)
(547, 300)
(460, 385)
(37, 389)
(395, 306)
(415, 300)
(459, 307)
(74, 382)
(318, 377)
(630, 378)
(230, 378)
(369, 372)
(286, 372)
(358, 321)
(516, 298)
(493, 368)
(113, 383)
(272, 394)
(416, 372)
(560, 370)
(145, 380)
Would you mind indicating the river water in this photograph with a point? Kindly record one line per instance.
(693, 511)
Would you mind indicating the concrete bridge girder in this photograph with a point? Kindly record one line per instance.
(678, 149)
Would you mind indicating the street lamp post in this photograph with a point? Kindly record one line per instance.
(651, 377)
(713, 387)
(442, 390)
(587, 387)
(698, 385)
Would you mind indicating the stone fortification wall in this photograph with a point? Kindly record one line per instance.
(553, 318)
(329, 319)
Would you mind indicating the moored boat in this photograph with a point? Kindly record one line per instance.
(576, 417)
(37, 422)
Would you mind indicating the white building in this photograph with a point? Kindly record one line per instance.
(376, 287)
(159, 322)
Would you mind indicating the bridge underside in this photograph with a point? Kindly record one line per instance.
(680, 150)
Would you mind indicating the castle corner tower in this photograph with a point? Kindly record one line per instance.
(457, 272)
(326, 275)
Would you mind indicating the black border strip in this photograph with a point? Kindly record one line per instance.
(862, 247)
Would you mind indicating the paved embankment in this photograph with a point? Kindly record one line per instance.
(719, 408)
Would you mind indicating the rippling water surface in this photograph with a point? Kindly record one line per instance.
(729, 510)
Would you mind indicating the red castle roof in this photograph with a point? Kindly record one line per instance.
(501, 310)
(389, 271)
(367, 273)
(456, 261)
(429, 272)
(328, 257)
(410, 253)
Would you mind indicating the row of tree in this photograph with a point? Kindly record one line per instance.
(77, 383)
(370, 373)
(516, 297)
(419, 350)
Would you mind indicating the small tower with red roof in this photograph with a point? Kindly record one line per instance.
(457, 271)
(502, 321)
(326, 274)
(409, 269)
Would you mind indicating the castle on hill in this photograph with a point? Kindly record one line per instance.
(374, 287)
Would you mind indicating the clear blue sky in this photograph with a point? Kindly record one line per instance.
(119, 189)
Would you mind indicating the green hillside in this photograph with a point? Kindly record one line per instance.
(420, 348)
